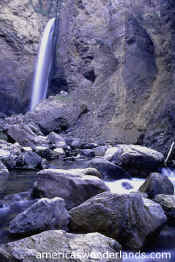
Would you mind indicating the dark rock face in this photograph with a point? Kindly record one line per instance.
(124, 217)
(157, 184)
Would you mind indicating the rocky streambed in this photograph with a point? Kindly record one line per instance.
(59, 193)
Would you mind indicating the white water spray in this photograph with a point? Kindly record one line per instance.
(43, 65)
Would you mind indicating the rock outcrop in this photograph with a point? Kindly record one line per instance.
(20, 32)
(118, 57)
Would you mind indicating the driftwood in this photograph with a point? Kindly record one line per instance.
(169, 153)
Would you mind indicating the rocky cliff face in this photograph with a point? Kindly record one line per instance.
(116, 56)
(119, 57)
(20, 30)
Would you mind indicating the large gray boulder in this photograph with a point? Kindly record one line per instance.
(138, 160)
(125, 217)
(43, 215)
(72, 185)
(157, 184)
(60, 246)
(4, 174)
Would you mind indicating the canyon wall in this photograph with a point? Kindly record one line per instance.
(115, 56)
(118, 57)
(20, 32)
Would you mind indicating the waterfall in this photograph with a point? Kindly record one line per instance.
(43, 65)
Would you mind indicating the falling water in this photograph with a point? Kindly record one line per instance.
(43, 65)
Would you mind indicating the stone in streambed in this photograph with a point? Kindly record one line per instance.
(138, 160)
(32, 160)
(56, 140)
(157, 184)
(43, 151)
(168, 204)
(88, 153)
(108, 169)
(127, 218)
(72, 185)
(60, 246)
(100, 151)
(43, 215)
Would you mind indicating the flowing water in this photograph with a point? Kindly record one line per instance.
(43, 65)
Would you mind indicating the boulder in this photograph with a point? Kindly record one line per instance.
(100, 151)
(74, 142)
(60, 246)
(4, 174)
(10, 154)
(88, 153)
(73, 186)
(168, 204)
(56, 140)
(32, 160)
(90, 171)
(88, 145)
(157, 184)
(138, 160)
(125, 217)
(25, 136)
(43, 215)
(44, 151)
(57, 152)
(108, 169)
